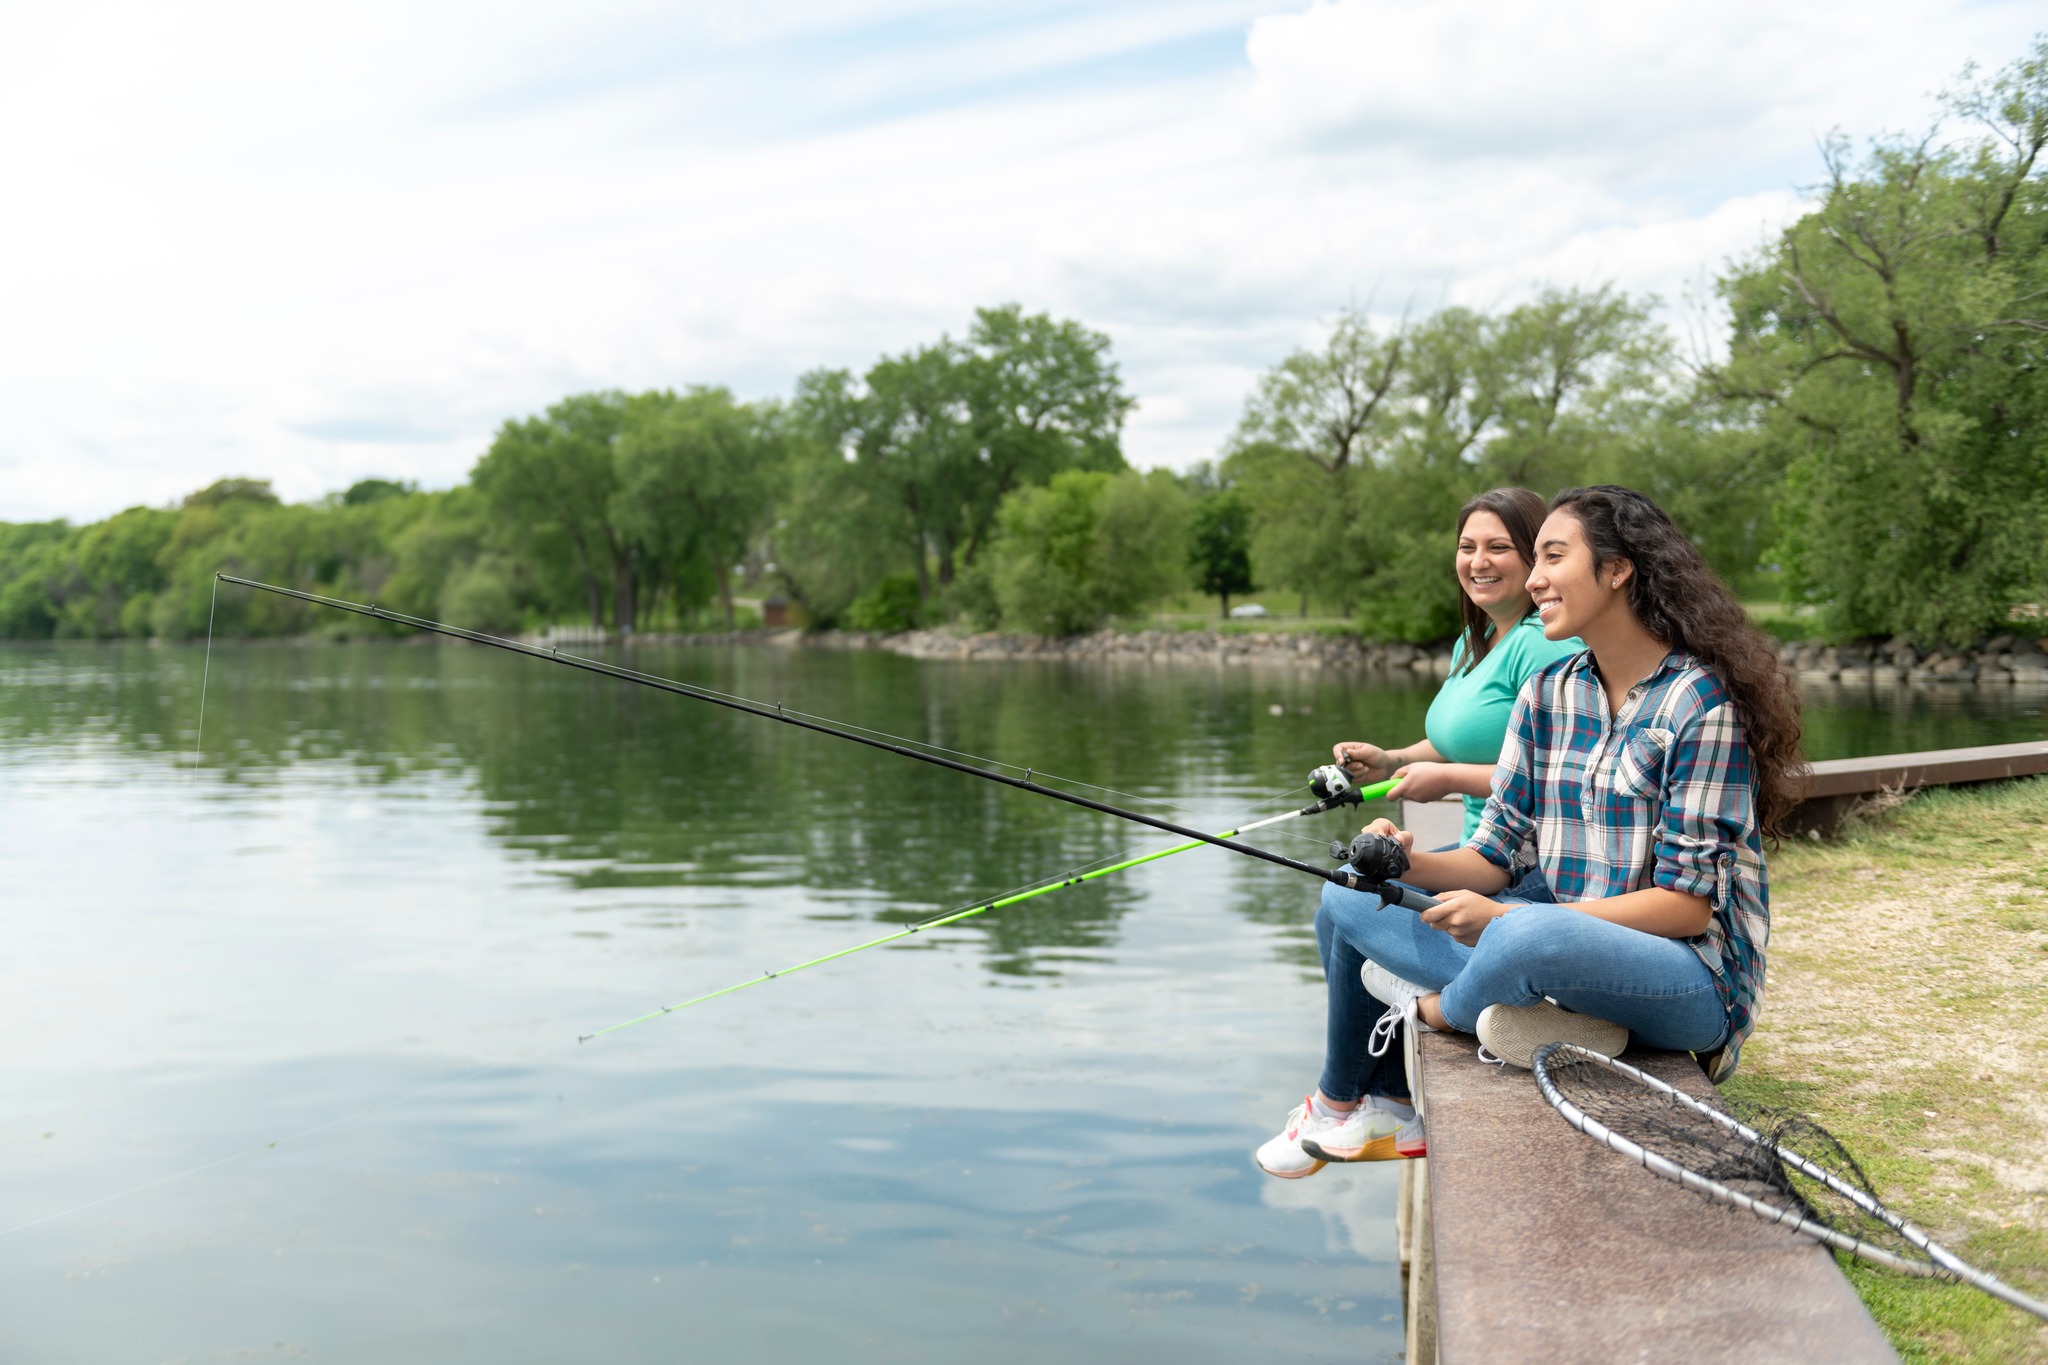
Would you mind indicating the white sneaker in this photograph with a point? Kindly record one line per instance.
(1399, 997)
(1284, 1155)
(1384, 1136)
(1512, 1033)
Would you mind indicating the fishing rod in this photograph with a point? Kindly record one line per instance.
(1331, 793)
(1371, 863)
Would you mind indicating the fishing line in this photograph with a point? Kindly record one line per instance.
(978, 908)
(205, 669)
(1342, 875)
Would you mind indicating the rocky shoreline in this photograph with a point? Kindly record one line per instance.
(2001, 661)
(1297, 649)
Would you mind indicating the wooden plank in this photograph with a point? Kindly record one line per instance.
(1549, 1247)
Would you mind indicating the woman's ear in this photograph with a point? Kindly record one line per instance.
(1616, 572)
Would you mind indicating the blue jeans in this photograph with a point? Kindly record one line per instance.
(1655, 987)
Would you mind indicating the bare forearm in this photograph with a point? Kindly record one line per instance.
(1421, 751)
(1460, 869)
(1472, 779)
(1654, 910)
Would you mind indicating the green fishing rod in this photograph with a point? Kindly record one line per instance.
(1320, 782)
(1371, 864)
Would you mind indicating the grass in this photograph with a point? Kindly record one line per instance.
(1908, 1014)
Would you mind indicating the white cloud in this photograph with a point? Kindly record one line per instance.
(315, 246)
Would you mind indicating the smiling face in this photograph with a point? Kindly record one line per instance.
(1490, 569)
(1573, 595)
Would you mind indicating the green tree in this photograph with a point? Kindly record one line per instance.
(1313, 424)
(1890, 347)
(835, 533)
(1089, 546)
(366, 491)
(698, 474)
(1220, 544)
(1355, 459)
(943, 433)
(33, 561)
(553, 482)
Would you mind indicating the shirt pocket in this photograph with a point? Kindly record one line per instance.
(1639, 770)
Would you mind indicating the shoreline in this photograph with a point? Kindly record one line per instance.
(1885, 666)
(1998, 662)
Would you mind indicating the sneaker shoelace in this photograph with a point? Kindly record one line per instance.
(1383, 1032)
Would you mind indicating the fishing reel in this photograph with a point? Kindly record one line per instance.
(1373, 856)
(1333, 786)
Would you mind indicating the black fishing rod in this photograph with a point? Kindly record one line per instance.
(1371, 862)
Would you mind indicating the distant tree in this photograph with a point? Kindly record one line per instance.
(1089, 546)
(553, 483)
(116, 570)
(698, 474)
(835, 534)
(366, 491)
(1219, 544)
(33, 560)
(1314, 423)
(1891, 349)
(223, 491)
(943, 433)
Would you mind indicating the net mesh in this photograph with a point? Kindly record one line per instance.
(1666, 1126)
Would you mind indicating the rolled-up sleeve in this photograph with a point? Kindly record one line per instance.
(1508, 823)
(1709, 807)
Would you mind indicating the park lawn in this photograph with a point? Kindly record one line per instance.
(1907, 1012)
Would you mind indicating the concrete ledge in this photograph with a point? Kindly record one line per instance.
(1547, 1246)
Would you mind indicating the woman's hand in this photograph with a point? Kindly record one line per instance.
(1463, 915)
(1425, 782)
(1367, 762)
(1405, 838)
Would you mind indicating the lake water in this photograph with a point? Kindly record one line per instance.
(370, 923)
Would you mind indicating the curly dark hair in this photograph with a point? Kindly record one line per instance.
(1522, 513)
(1681, 602)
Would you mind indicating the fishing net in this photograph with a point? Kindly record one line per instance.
(1792, 1170)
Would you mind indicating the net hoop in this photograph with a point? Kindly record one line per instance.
(1941, 1264)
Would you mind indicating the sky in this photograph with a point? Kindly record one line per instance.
(319, 243)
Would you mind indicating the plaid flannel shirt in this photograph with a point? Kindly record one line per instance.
(1660, 795)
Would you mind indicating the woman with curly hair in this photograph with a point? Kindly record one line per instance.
(1640, 778)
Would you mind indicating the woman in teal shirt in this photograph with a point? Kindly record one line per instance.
(1502, 644)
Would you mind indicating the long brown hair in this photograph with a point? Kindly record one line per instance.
(1522, 513)
(1681, 602)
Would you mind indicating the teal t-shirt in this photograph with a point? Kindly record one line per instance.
(1468, 721)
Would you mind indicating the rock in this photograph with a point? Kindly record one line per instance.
(1951, 669)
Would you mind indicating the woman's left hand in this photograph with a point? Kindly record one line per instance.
(1424, 782)
(1463, 915)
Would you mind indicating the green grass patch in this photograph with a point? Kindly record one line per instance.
(1946, 1134)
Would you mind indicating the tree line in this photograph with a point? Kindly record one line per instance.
(1869, 438)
